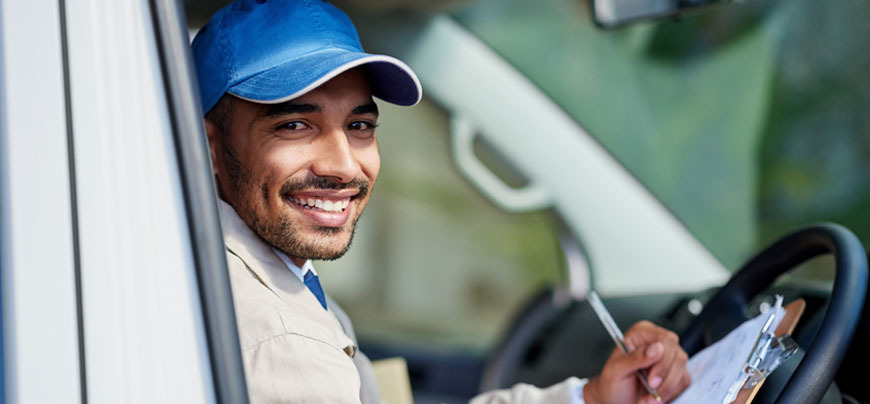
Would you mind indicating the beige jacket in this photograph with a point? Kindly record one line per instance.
(296, 352)
(293, 350)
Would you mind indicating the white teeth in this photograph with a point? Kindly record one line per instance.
(329, 206)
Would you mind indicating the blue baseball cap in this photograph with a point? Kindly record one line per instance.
(271, 51)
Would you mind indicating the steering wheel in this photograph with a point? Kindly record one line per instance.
(728, 307)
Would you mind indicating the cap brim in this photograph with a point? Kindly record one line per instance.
(391, 79)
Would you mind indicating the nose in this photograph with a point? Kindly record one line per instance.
(335, 157)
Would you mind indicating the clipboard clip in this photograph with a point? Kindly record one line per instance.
(767, 354)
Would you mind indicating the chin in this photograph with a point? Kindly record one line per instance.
(328, 254)
(331, 244)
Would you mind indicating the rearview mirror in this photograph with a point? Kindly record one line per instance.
(615, 13)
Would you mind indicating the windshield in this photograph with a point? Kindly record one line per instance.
(746, 120)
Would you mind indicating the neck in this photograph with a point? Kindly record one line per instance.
(297, 260)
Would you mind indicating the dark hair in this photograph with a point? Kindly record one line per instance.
(221, 115)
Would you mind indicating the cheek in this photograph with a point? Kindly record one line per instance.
(370, 162)
(282, 163)
(271, 170)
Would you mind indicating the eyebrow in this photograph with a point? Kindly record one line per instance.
(288, 108)
(370, 108)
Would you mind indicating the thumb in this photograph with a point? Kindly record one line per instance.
(625, 365)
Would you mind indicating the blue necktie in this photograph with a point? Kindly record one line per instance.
(313, 284)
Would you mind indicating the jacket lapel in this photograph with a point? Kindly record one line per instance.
(259, 257)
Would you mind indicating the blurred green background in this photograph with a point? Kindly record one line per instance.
(747, 120)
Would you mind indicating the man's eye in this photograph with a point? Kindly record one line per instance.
(362, 126)
(294, 125)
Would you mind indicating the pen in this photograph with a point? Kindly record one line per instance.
(618, 338)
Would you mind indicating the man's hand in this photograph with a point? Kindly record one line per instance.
(651, 347)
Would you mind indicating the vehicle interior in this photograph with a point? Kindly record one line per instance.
(688, 161)
(647, 150)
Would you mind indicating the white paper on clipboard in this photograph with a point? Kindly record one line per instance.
(716, 367)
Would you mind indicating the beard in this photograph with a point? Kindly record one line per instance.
(327, 243)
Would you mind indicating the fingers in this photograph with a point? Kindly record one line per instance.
(648, 399)
(644, 333)
(677, 379)
(623, 366)
(668, 375)
(672, 351)
(652, 348)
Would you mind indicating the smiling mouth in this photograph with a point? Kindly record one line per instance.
(321, 204)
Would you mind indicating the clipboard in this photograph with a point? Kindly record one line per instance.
(393, 380)
(793, 313)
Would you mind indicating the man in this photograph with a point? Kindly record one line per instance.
(291, 127)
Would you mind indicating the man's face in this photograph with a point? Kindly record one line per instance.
(299, 173)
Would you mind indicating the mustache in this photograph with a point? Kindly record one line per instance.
(308, 184)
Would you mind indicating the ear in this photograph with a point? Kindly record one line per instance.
(212, 132)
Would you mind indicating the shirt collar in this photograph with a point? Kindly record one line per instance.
(299, 272)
